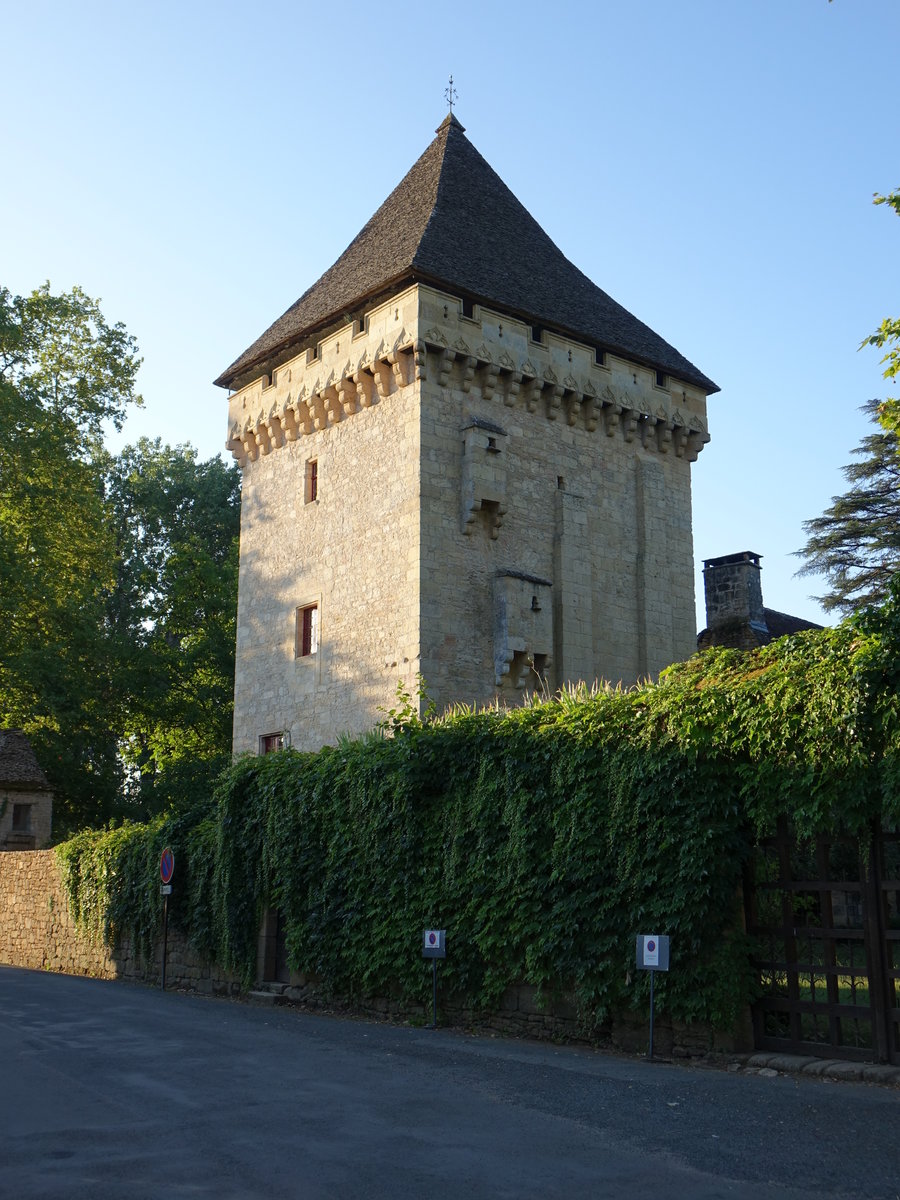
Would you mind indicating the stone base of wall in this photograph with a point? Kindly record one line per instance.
(37, 932)
(520, 1015)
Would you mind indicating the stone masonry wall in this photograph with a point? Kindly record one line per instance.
(584, 470)
(461, 456)
(37, 932)
(353, 551)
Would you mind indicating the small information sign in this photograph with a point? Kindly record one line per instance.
(434, 943)
(652, 952)
(165, 889)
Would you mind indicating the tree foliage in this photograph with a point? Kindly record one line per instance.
(118, 584)
(542, 838)
(173, 613)
(855, 544)
(887, 337)
(64, 371)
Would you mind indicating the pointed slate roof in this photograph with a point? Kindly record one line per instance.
(453, 222)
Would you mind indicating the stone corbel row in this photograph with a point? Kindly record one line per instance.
(577, 402)
(357, 385)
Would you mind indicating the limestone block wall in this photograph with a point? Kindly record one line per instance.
(353, 551)
(590, 469)
(453, 447)
(37, 932)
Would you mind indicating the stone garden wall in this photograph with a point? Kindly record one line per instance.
(37, 932)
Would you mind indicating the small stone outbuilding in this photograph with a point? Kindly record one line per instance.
(26, 801)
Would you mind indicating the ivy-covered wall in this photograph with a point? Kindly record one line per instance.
(543, 839)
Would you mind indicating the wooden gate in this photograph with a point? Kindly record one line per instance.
(825, 916)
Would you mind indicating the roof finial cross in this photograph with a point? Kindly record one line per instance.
(450, 95)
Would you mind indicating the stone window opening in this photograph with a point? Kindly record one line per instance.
(271, 743)
(311, 486)
(21, 818)
(307, 631)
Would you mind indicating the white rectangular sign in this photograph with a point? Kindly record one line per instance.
(651, 950)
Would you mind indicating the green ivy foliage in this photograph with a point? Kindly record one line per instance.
(542, 838)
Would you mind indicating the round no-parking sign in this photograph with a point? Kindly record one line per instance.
(166, 865)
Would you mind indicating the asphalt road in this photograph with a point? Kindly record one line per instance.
(112, 1090)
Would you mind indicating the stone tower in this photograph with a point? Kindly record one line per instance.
(460, 458)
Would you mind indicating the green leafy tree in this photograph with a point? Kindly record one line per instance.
(64, 373)
(887, 337)
(173, 613)
(118, 575)
(855, 544)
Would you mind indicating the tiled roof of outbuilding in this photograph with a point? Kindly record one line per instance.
(18, 766)
(740, 634)
(453, 222)
(780, 623)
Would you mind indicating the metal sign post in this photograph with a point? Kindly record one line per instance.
(166, 871)
(652, 953)
(434, 946)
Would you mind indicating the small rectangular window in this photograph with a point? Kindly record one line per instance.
(307, 636)
(660, 379)
(270, 742)
(312, 480)
(537, 334)
(21, 818)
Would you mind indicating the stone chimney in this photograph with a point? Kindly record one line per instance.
(734, 592)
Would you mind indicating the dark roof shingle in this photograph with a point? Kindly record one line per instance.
(18, 766)
(452, 221)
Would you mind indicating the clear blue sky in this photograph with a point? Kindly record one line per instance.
(709, 163)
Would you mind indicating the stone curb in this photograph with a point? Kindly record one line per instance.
(824, 1068)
